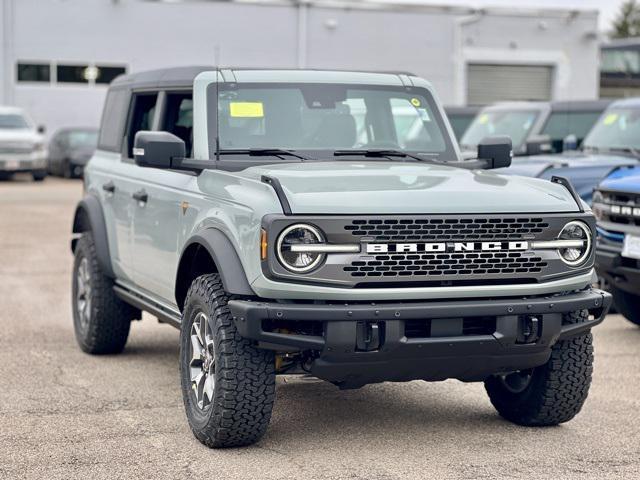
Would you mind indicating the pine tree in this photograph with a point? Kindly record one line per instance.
(627, 22)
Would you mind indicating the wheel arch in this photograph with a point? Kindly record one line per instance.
(89, 217)
(210, 251)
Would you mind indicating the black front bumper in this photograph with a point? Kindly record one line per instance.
(419, 340)
(619, 272)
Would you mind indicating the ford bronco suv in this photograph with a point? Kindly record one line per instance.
(616, 204)
(324, 223)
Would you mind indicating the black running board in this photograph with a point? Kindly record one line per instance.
(164, 314)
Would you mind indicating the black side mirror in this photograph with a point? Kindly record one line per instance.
(157, 149)
(496, 151)
(539, 144)
(41, 129)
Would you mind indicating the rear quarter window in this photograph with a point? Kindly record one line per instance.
(113, 119)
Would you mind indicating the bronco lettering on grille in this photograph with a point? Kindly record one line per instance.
(446, 247)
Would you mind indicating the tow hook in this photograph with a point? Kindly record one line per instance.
(368, 336)
(529, 329)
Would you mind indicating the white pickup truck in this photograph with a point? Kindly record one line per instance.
(22, 145)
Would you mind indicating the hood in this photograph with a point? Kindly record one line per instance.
(20, 135)
(397, 188)
(625, 179)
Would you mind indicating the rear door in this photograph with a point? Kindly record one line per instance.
(157, 220)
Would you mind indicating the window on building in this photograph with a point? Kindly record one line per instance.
(623, 61)
(140, 117)
(106, 74)
(178, 117)
(34, 72)
(73, 73)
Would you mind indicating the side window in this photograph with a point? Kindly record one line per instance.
(140, 116)
(178, 118)
(114, 116)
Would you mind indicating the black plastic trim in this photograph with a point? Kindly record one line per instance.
(567, 184)
(90, 206)
(275, 184)
(225, 258)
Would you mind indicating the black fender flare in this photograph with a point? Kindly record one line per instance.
(225, 258)
(90, 217)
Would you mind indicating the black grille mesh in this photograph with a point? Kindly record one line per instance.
(445, 264)
(442, 229)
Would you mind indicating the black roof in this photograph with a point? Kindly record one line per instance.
(165, 77)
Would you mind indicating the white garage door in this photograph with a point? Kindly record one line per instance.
(495, 83)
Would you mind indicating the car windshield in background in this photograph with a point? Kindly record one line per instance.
(317, 117)
(560, 124)
(515, 123)
(13, 120)
(618, 128)
(79, 139)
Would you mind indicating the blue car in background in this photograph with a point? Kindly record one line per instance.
(616, 205)
(614, 141)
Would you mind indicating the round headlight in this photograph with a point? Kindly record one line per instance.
(575, 255)
(299, 235)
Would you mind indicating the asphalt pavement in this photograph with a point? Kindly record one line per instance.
(65, 414)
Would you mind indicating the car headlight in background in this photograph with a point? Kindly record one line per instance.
(299, 235)
(575, 254)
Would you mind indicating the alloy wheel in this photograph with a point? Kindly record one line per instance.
(202, 363)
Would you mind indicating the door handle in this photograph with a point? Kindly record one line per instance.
(109, 187)
(141, 196)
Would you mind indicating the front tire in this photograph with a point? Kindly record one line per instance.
(101, 320)
(552, 393)
(39, 175)
(627, 304)
(228, 385)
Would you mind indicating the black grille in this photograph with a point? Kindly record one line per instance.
(450, 327)
(441, 229)
(618, 207)
(445, 264)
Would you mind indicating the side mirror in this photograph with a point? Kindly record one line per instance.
(539, 144)
(41, 129)
(157, 149)
(496, 151)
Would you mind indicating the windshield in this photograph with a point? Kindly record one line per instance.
(83, 139)
(616, 128)
(515, 123)
(563, 123)
(13, 120)
(320, 117)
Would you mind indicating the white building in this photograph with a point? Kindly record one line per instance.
(50, 47)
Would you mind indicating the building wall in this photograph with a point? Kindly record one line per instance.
(436, 43)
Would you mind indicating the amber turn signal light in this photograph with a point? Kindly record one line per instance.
(263, 244)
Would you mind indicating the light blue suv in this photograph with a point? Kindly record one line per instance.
(324, 223)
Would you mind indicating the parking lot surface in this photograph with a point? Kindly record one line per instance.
(65, 414)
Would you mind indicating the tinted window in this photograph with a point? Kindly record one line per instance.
(141, 117)
(178, 118)
(34, 72)
(73, 73)
(561, 124)
(460, 122)
(113, 118)
(13, 121)
(106, 74)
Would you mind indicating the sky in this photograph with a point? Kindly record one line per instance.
(607, 8)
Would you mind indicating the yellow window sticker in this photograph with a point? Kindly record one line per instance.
(484, 118)
(246, 109)
(610, 119)
(415, 102)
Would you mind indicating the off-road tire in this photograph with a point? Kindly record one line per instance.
(110, 318)
(244, 390)
(557, 390)
(627, 304)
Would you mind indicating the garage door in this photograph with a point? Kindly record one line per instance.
(494, 83)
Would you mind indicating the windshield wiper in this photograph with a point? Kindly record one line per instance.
(633, 151)
(264, 152)
(382, 153)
